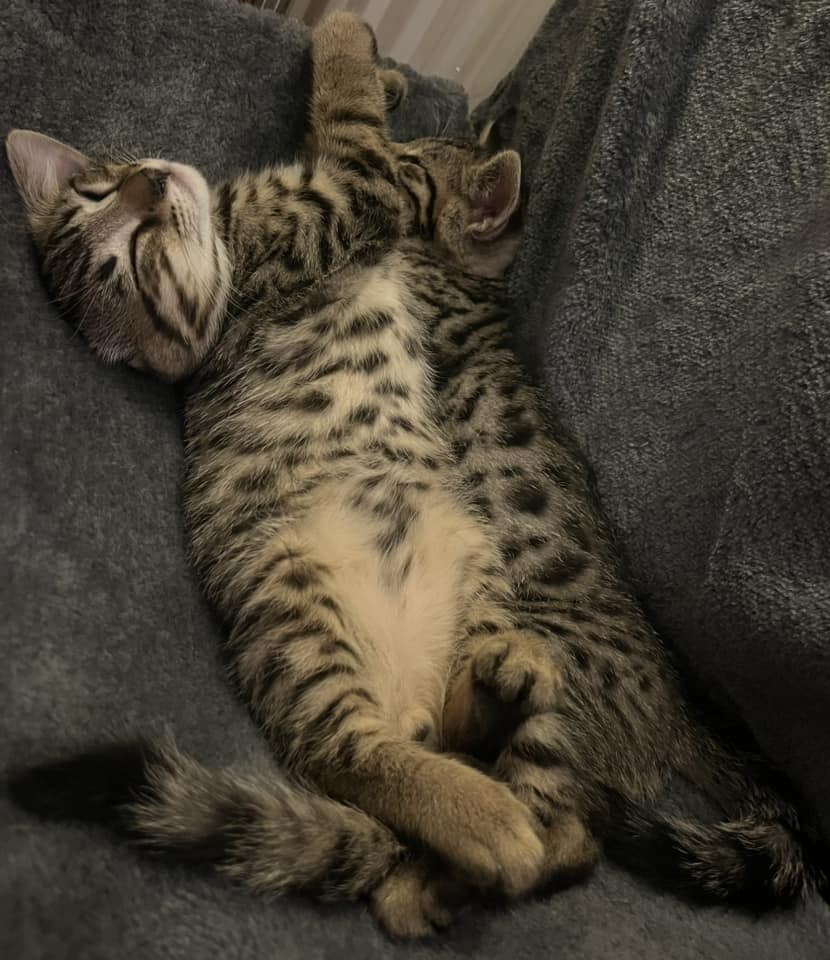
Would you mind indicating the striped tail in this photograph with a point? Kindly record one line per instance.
(755, 863)
(270, 834)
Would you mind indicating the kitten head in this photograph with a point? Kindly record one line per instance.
(465, 199)
(129, 248)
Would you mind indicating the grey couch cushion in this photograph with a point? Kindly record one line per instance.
(103, 625)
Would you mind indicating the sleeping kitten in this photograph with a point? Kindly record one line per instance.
(407, 553)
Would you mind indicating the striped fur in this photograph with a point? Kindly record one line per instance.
(404, 545)
(264, 831)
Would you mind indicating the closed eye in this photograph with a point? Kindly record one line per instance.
(95, 193)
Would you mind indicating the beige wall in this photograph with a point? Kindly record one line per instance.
(473, 41)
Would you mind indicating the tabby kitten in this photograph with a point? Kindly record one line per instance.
(408, 556)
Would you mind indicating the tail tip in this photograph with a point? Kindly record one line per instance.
(755, 867)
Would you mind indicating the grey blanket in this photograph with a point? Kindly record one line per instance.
(103, 627)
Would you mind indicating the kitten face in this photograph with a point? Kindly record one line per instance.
(464, 199)
(129, 248)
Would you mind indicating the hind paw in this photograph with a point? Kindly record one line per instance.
(517, 668)
(411, 903)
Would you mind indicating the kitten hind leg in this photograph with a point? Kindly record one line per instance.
(501, 708)
(415, 899)
(500, 679)
(535, 766)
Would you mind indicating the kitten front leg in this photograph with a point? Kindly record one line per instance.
(470, 820)
(350, 98)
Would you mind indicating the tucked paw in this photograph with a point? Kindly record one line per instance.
(408, 903)
(517, 668)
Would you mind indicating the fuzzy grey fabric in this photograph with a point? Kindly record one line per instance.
(104, 629)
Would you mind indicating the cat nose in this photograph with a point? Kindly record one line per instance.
(144, 189)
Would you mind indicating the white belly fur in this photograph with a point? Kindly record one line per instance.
(406, 629)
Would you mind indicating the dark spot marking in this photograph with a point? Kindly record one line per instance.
(299, 578)
(459, 337)
(368, 323)
(329, 603)
(519, 434)
(393, 536)
(459, 449)
(529, 498)
(396, 454)
(390, 388)
(370, 362)
(404, 423)
(582, 657)
(314, 679)
(538, 753)
(364, 414)
(106, 269)
(562, 569)
(255, 480)
(467, 407)
(620, 644)
(510, 551)
(313, 400)
(334, 367)
(339, 453)
(578, 615)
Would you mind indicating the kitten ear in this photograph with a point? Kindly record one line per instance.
(42, 167)
(495, 191)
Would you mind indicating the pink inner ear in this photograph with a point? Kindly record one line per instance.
(497, 206)
(501, 199)
(42, 167)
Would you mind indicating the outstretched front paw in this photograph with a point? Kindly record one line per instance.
(345, 34)
(517, 668)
